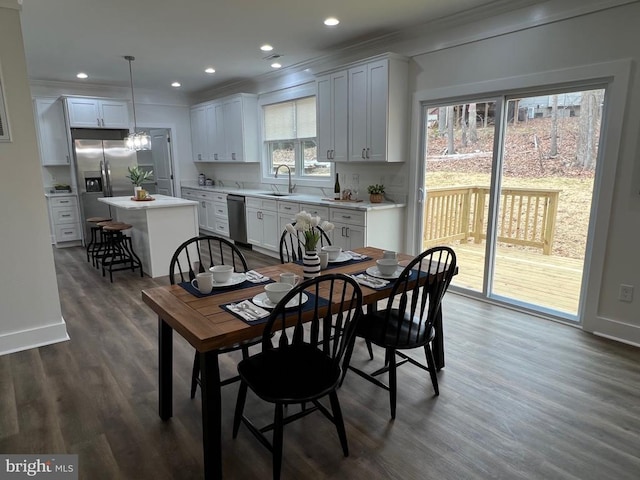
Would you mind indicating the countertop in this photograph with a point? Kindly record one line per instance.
(161, 201)
(297, 197)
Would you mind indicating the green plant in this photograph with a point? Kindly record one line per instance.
(138, 176)
(376, 189)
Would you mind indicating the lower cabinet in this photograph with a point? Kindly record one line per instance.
(212, 210)
(262, 223)
(64, 218)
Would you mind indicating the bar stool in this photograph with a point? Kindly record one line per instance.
(99, 248)
(119, 250)
(95, 233)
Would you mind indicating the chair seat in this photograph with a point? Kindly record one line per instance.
(384, 332)
(290, 375)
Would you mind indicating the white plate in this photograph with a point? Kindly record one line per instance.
(261, 300)
(343, 257)
(236, 279)
(374, 272)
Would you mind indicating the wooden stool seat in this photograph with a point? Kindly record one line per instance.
(116, 227)
(98, 219)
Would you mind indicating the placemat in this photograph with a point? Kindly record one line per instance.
(246, 284)
(309, 305)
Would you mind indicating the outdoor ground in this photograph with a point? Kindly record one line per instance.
(527, 164)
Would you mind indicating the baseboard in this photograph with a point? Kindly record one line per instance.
(33, 338)
(618, 331)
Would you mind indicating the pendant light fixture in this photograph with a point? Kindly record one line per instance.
(136, 140)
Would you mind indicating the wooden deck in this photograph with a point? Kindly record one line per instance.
(529, 276)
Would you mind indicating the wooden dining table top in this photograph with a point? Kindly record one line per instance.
(206, 326)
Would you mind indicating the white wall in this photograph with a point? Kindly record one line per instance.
(30, 313)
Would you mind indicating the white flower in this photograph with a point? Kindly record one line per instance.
(315, 221)
(290, 228)
(327, 226)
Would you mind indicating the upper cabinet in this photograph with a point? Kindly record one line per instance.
(199, 135)
(97, 113)
(331, 100)
(52, 132)
(372, 115)
(226, 130)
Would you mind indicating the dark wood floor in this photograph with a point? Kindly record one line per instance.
(520, 398)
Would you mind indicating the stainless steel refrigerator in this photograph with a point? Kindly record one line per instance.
(101, 163)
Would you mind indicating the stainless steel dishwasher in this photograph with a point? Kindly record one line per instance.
(237, 219)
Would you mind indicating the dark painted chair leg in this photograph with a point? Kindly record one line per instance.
(393, 384)
(278, 428)
(438, 341)
(432, 368)
(194, 374)
(237, 416)
(337, 418)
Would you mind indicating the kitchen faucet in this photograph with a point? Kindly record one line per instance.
(276, 176)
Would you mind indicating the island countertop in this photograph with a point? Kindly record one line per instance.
(160, 201)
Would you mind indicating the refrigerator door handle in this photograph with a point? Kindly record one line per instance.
(109, 187)
(105, 184)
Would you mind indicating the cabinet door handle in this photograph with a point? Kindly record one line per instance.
(333, 154)
(204, 205)
(342, 232)
(347, 229)
(65, 215)
(286, 208)
(363, 152)
(346, 216)
(233, 156)
(68, 159)
(328, 154)
(98, 120)
(368, 152)
(64, 201)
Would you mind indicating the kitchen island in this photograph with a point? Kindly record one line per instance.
(159, 227)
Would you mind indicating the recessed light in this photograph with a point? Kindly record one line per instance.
(266, 47)
(210, 70)
(275, 65)
(331, 22)
(82, 75)
(176, 84)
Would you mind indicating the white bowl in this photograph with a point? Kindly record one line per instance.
(276, 291)
(387, 266)
(333, 252)
(221, 273)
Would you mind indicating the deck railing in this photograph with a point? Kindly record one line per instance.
(526, 216)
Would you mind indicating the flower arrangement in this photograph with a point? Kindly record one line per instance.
(138, 176)
(307, 223)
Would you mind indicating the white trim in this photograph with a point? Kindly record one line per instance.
(618, 331)
(33, 338)
(616, 76)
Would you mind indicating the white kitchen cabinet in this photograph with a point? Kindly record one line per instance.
(213, 216)
(52, 132)
(332, 116)
(350, 228)
(262, 223)
(64, 218)
(97, 113)
(199, 146)
(220, 215)
(226, 130)
(377, 111)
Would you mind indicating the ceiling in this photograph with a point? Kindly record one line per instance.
(177, 40)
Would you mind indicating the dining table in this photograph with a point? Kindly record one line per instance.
(203, 321)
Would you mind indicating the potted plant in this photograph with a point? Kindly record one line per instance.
(376, 193)
(138, 176)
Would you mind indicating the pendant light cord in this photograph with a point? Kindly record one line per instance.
(130, 59)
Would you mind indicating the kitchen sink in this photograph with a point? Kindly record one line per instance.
(275, 194)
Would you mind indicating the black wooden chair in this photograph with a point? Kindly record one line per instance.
(291, 244)
(407, 321)
(308, 362)
(207, 250)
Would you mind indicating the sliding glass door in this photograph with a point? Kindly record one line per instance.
(509, 185)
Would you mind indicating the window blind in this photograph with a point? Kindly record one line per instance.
(290, 120)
